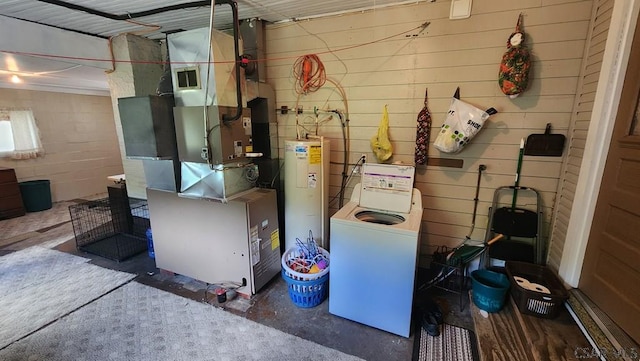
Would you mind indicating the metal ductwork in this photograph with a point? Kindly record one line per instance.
(209, 118)
(212, 122)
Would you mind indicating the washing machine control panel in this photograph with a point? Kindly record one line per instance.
(387, 187)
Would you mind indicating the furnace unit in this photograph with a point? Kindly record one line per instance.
(209, 220)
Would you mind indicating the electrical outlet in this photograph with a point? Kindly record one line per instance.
(204, 154)
(246, 122)
(358, 168)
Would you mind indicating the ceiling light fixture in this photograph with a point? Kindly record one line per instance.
(16, 79)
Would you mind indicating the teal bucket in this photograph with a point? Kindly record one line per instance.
(489, 289)
(36, 195)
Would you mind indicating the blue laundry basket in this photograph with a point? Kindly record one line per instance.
(307, 294)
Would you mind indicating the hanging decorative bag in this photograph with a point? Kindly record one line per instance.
(463, 122)
(422, 133)
(513, 77)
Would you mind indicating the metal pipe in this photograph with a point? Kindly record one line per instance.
(128, 15)
(236, 48)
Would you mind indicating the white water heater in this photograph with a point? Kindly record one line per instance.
(306, 191)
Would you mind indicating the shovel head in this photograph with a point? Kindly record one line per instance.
(547, 144)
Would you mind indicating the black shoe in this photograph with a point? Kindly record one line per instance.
(430, 325)
(429, 306)
(437, 315)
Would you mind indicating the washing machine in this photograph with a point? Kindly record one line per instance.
(374, 249)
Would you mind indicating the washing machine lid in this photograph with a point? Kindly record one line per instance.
(387, 187)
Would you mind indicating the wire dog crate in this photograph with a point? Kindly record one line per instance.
(114, 229)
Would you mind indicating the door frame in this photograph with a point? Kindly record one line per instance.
(605, 107)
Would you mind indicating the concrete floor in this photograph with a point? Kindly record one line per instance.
(271, 306)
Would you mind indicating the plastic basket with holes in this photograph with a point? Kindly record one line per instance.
(307, 294)
(536, 289)
(291, 259)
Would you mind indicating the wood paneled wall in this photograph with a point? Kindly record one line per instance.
(381, 57)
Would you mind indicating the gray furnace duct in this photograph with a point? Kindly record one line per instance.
(209, 220)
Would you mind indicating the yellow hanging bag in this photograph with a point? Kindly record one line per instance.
(380, 142)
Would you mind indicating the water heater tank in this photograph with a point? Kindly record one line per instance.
(306, 189)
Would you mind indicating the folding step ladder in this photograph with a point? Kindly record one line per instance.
(520, 225)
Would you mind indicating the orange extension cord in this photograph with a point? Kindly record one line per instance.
(309, 73)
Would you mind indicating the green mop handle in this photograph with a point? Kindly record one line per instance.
(517, 183)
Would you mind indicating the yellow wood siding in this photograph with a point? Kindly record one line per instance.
(447, 54)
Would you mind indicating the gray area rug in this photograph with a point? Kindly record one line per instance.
(453, 344)
(138, 322)
(40, 285)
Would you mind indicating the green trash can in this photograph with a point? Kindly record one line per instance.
(489, 289)
(36, 195)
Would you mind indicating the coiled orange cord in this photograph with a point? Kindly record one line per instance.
(309, 73)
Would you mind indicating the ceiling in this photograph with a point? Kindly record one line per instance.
(149, 18)
(194, 14)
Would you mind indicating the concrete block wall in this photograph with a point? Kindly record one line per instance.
(79, 138)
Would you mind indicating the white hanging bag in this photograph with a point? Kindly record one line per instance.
(463, 122)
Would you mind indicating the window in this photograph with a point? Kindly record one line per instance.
(188, 78)
(19, 135)
(6, 138)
